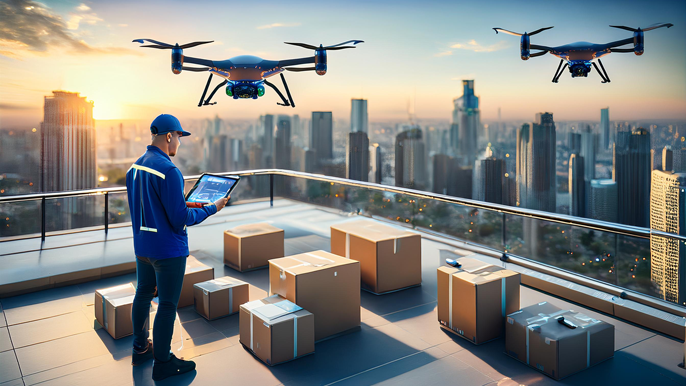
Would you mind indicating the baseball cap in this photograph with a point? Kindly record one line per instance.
(165, 123)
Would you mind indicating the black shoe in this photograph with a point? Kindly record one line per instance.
(139, 358)
(174, 366)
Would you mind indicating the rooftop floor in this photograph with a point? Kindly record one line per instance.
(51, 337)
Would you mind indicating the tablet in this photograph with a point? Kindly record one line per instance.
(210, 188)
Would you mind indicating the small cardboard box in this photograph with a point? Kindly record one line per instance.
(196, 272)
(276, 330)
(474, 299)
(113, 309)
(251, 246)
(220, 297)
(390, 259)
(325, 284)
(536, 336)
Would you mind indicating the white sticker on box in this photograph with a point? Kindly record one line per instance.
(510, 320)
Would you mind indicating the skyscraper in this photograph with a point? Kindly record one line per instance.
(357, 159)
(321, 137)
(605, 128)
(282, 143)
(467, 116)
(631, 171)
(577, 182)
(667, 255)
(588, 152)
(536, 164)
(667, 159)
(375, 163)
(410, 167)
(268, 141)
(358, 116)
(68, 145)
(219, 155)
(603, 200)
(489, 178)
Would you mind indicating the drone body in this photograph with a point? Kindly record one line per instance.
(579, 56)
(245, 76)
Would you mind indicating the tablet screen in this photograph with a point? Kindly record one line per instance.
(210, 188)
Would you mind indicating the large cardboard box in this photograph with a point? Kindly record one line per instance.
(390, 259)
(325, 284)
(276, 330)
(220, 297)
(113, 309)
(536, 336)
(474, 299)
(196, 272)
(251, 246)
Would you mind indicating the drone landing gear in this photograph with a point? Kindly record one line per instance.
(559, 71)
(288, 92)
(206, 102)
(603, 73)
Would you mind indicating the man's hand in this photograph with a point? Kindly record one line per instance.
(221, 203)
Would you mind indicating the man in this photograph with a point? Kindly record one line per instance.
(159, 217)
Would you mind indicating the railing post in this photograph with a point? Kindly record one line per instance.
(42, 222)
(107, 212)
(271, 190)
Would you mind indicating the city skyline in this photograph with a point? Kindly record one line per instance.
(94, 57)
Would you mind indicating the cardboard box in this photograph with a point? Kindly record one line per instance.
(390, 258)
(474, 300)
(325, 284)
(113, 309)
(196, 272)
(276, 330)
(220, 297)
(535, 336)
(251, 246)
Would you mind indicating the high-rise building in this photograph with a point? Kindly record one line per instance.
(219, 155)
(255, 157)
(236, 155)
(454, 138)
(282, 143)
(668, 255)
(375, 163)
(487, 184)
(357, 159)
(631, 171)
(321, 137)
(68, 143)
(410, 167)
(574, 142)
(358, 116)
(603, 200)
(467, 116)
(605, 128)
(536, 164)
(588, 152)
(667, 159)
(268, 140)
(297, 133)
(577, 182)
(443, 167)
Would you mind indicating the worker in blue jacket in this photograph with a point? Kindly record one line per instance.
(159, 217)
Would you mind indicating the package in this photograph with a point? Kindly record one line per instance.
(251, 246)
(220, 297)
(557, 342)
(474, 299)
(113, 309)
(390, 258)
(196, 272)
(325, 284)
(276, 330)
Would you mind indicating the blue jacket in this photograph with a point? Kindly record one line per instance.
(157, 204)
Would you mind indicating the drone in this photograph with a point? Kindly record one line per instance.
(579, 56)
(246, 75)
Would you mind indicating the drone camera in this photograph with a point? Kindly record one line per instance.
(638, 42)
(177, 60)
(525, 47)
(320, 62)
(580, 69)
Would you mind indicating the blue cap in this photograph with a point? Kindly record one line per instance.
(165, 123)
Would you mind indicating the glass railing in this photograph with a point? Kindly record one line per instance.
(599, 251)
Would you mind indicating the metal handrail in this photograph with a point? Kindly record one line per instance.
(604, 226)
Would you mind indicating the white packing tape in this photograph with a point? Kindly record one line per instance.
(295, 337)
(251, 322)
(240, 253)
(503, 297)
(396, 245)
(347, 245)
(104, 312)
(527, 345)
(450, 300)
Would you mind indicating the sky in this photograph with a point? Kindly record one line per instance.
(415, 53)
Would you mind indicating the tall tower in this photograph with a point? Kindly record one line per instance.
(282, 148)
(588, 152)
(268, 141)
(536, 164)
(358, 116)
(467, 117)
(577, 196)
(410, 159)
(603, 200)
(375, 163)
(631, 171)
(321, 137)
(668, 214)
(357, 158)
(605, 128)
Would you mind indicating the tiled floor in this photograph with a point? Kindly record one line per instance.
(51, 337)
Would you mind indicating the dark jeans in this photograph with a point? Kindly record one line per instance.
(167, 275)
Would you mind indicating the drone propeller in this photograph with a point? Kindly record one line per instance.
(300, 69)
(518, 34)
(339, 46)
(651, 27)
(195, 69)
(166, 46)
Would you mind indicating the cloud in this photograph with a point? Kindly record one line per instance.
(444, 53)
(28, 26)
(8, 106)
(472, 45)
(123, 25)
(83, 7)
(275, 25)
